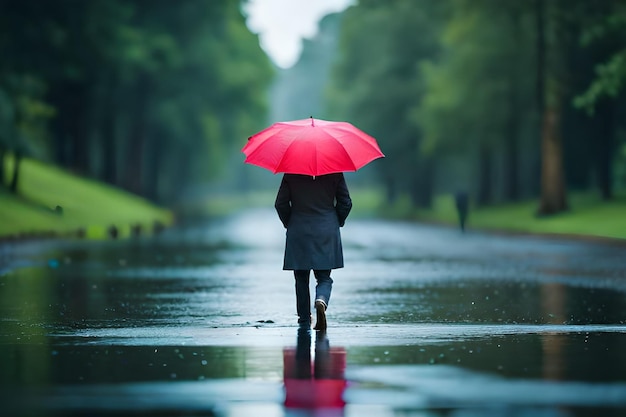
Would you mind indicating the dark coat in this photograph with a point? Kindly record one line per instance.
(312, 210)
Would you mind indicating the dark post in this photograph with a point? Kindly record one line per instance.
(461, 200)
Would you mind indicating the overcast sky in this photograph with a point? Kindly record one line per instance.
(282, 24)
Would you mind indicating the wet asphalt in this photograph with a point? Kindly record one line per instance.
(423, 320)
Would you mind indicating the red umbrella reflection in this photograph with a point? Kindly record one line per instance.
(314, 384)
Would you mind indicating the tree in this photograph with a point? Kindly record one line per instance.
(476, 99)
(144, 93)
(605, 29)
(489, 83)
(603, 36)
(376, 83)
(23, 122)
(550, 97)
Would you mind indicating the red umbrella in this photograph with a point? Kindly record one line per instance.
(311, 147)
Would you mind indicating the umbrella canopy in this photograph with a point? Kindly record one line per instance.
(311, 147)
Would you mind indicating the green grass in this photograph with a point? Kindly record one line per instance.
(588, 216)
(86, 204)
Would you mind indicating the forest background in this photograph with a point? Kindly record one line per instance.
(510, 101)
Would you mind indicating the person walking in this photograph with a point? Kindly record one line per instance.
(312, 209)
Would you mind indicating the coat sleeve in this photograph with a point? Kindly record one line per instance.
(283, 202)
(343, 203)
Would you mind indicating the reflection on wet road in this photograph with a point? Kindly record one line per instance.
(422, 321)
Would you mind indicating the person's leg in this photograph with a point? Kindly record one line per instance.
(322, 296)
(324, 285)
(303, 296)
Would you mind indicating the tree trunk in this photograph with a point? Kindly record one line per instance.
(108, 137)
(135, 157)
(511, 151)
(154, 164)
(485, 188)
(552, 174)
(422, 183)
(540, 76)
(180, 176)
(70, 126)
(541, 58)
(391, 189)
(552, 199)
(60, 137)
(604, 140)
(109, 145)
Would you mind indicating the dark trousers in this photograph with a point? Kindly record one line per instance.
(303, 296)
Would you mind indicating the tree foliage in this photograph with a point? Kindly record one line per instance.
(506, 99)
(147, 95)
(605, 29)
(377, 84)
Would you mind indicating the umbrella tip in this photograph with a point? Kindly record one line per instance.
(312, 121)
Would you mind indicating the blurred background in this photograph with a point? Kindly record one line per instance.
(505, 100)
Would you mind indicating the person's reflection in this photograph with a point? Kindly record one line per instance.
(317, 384)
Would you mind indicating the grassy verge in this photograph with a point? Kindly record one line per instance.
(588, 216)
(85, 205)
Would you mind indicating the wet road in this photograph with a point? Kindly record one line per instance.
(423, 321)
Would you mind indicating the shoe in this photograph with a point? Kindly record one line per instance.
(320, 308)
